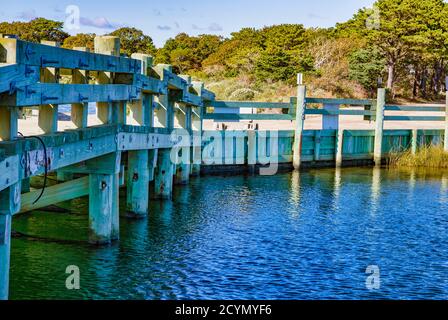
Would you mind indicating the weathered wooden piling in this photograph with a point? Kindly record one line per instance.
(339, 147)
(183, 115)
(5, 252)
(300, 119)
(104, 213)
(165, 170)
(196, 126)
(414, 141)
(103, 198)
(10, 199)
(379, 125)
(137, 200)
(138, 171)
(251, 150)
(163, 175)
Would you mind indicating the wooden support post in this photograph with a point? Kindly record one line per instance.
(164, 115)
(251, 149)
(100, 208)
(339, 147)
(5, 253)
(163, 179)
(8, 123)
(10, 200)
(330, 122)
(379, 125)
(108, 45)
(141, 110)
(79, 111)
(197, 133)
(414, 141)
(317, 139)
(300, 120)
(446, 120)
(103, 198)
(137, 184)
(48, 113)
(152, 162)
(80, 114)
(183, 169)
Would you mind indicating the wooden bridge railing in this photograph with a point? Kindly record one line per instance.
(140, 108)
(328, 143)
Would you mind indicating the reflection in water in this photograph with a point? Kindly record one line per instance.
(376, 188)
(444, 188)
(295, 191)
(307, 235)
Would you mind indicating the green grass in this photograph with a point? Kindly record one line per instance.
(432, 156)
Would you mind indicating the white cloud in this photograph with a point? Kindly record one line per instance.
(99, 22)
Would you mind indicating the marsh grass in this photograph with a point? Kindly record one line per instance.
(432, 156)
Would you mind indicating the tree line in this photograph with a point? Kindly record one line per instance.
(401, 43)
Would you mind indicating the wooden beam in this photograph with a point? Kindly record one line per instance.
(55, 194)
(13, 76)
(250, 105)
(40, 55)
(354, 102)
(238, 117)
(44, 93)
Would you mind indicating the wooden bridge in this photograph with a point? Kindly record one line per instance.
(150, 134)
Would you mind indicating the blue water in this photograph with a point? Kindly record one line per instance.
(308, 235)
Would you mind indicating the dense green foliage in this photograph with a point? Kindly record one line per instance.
(80, 40)
(134, 40)
(36, 30)
(402, 42)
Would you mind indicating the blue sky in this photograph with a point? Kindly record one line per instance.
(164, 19)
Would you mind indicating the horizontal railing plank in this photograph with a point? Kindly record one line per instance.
(413, 118)
(41, 55)
(17, 75)
(339, 112)
(250, 105)
(354, 102)
(416, 108)
(233, 116)
(53, 93)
